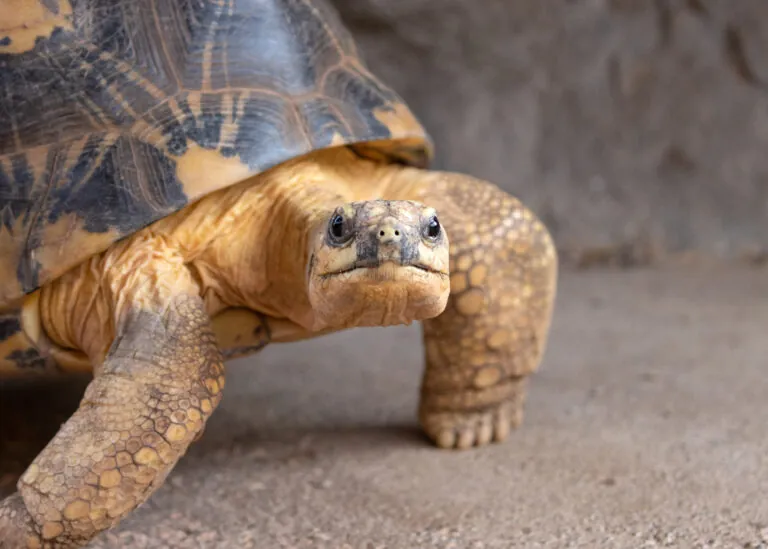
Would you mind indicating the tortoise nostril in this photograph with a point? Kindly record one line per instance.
(389, 234)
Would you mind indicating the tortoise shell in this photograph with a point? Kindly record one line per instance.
(116, 114)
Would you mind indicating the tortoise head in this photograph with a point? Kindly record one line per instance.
(378, 263)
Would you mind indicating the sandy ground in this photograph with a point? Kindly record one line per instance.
(646, 427)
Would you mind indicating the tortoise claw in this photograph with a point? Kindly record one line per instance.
(464, 430)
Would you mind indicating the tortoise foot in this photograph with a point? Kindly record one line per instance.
(464, 430)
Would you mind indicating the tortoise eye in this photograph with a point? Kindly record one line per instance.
(432, 230)
(338, 229)
(337, 226)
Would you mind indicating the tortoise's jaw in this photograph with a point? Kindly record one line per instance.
(390, 268)
(384, 294)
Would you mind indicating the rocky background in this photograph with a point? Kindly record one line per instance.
(638, 129)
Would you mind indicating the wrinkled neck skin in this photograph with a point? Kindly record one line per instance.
(245, 246)
(262, 265)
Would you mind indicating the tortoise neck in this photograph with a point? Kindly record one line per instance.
(260, 262)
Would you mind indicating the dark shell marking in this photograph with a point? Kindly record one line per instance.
(98, 117)
(15, 349)
(9, 325)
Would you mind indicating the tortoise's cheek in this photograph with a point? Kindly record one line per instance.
(435, 256)
(334, 260)
(382, 296)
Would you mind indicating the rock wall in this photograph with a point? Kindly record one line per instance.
(638, 129)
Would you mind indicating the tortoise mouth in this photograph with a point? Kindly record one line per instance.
(378, 293)
(374, 264)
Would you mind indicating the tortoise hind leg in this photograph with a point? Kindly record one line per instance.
(492, 334)
(160, 382)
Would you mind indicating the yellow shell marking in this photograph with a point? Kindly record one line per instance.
(24, 21)
(400, 121)
(198, 166)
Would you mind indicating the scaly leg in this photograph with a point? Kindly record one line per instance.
(160, 382)
(492, 334)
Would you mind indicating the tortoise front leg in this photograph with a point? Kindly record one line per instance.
(158, 385)
(492, 334)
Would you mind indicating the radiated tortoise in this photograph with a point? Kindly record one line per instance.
(184, 181)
